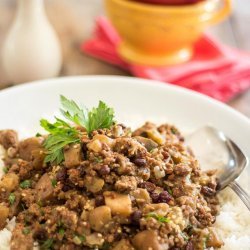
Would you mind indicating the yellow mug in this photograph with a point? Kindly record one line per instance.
(162, 35)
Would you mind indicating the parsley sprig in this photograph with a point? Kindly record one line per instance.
(98, 118)
(62, 133)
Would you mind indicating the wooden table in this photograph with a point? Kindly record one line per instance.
(74, 21)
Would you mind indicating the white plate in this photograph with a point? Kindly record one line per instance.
(134, 101)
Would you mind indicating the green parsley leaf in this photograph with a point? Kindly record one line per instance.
(25, 184)
(55, 144)
(74, 113)
(48, 244)
(53, 182)
(12, 198)
(205, 241)
(98, 159)
(100, 117)
(5, 170)
(38, 135)
(169, 190)
(174, 130)
(158, 217)
(23, 206)
(39, 203)
(41, 211)
(82, 238)
(61, 231)
(62, 133)
(26, 231)
(106, 246)
(185, 236)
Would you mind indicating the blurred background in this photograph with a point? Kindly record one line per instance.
(74, 22)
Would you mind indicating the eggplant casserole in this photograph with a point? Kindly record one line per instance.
(95, 184)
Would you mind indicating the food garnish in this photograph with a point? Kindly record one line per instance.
(158, 217)
(63, 133)
(12, 198)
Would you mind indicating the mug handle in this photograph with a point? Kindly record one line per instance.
(222, 13)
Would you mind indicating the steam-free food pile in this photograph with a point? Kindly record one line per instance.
(92, 183)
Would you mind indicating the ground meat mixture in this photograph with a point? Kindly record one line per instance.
(117, 190)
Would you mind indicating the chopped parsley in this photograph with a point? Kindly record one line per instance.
(26, 231)
(23, 206)
(98, 159)
(206, 239)
(12, 198)
(38, 135)
(39, 203)
(82, 238)
(25, 184)
(53, 182)
(47, 245)
(5, 170)
(61, 231)
(106, 246)
(174, 130)
(41, 211)
(169, 190)
(62, 133)
(159, 218)
(185, 236)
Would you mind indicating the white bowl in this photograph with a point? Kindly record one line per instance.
(134, 100)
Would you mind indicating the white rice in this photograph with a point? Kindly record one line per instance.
(2, 153)
(233, 222)
(5, 235)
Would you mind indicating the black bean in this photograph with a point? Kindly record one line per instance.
(104, 170)
(82, 170)
(135, 217)
(117, 236)
(40, 234)
(61, 174)
(140, 162)
(154, 197)
(66, 188)
(148, 185)
(207, 191)
(84, 150)
(99, 200)
(181, 138)
(144, 134)
(190, 246)
(164, 197)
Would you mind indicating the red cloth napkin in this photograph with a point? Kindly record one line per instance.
(215, 70)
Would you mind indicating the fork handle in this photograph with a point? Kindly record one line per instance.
(235, 186)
